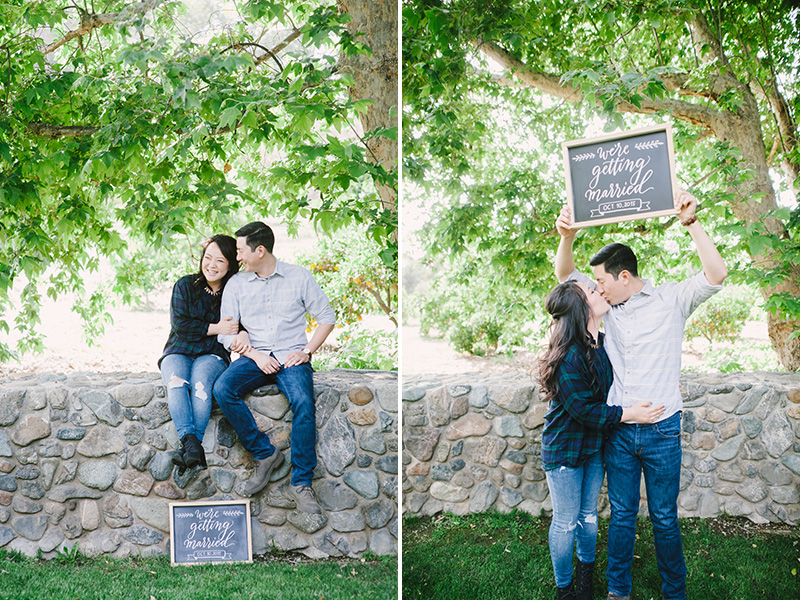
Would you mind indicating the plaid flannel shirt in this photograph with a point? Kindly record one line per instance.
(191, 311)
(578, 415)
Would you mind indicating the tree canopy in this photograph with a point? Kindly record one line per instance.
(122, 125)
(491, 89)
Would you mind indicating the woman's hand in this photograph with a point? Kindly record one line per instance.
(226, 326)
(642, 412)
(241, 343)
(564, 222)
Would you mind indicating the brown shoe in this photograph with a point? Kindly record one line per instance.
(260, 477)
(304, 498)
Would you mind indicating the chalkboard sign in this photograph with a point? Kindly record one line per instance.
(215, 532)
(621, 177)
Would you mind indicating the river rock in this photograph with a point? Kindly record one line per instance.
(337, 446)
(29, 429)
(103, 405)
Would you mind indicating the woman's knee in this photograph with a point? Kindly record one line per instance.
(564, 525)
(176, 382)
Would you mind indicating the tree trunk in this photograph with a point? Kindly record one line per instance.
(756, 197)
(376, 78)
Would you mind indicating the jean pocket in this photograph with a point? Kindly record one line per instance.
(670, 428)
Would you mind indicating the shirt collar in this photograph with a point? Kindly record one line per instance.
(648, 289)
(279, 271)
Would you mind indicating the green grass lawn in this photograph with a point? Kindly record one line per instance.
(76, 577)
(493, 557)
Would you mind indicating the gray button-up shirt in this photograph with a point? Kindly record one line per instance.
(644, 338)
(273, 310)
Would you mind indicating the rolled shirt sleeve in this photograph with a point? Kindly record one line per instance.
(317, 304)
(229, 308)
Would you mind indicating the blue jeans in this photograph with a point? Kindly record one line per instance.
(573, 492)
(190, 382)
(654, 450)
(297, 384)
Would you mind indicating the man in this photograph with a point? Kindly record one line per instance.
(270, 300)
(644, 332)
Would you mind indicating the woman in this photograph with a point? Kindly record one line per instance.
(193, 358)
(575, 377)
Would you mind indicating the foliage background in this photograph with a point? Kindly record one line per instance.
(128, 132)
(490, 91)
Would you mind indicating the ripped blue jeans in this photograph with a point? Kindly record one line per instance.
(190, 384)
(573, 492)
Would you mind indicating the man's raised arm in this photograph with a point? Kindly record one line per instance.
(713, 266)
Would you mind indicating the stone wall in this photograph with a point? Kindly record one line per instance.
(473, 443)
(86, 459)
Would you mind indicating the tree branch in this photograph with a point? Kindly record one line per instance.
(550, 84)
(272, 53)
(707, 43)
(696, 114)
(384, 307)
(54, 131)
(91, 21)
(267, 52)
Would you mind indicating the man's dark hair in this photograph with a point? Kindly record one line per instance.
(616, 258)
(257, 234)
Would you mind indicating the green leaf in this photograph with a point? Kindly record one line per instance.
(229, 117)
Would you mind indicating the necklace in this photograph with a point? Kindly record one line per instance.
(211, 292)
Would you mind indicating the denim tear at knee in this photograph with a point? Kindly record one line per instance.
(568, 529)
(200, 391)
(177, 382)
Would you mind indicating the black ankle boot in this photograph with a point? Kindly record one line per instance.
(583, 581)
(179, 461)
(193, 454)
(566, 593)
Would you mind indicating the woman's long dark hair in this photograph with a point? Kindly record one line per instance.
(568, 306)
(227, 246)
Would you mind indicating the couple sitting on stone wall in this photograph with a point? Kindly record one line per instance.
(259, 314)
(622, 386)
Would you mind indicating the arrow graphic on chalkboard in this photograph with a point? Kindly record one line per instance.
(648, 145)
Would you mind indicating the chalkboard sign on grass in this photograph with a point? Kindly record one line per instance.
(202, 532)
(620, 177)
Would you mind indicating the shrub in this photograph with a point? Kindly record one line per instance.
(362, 349)
(720, 319)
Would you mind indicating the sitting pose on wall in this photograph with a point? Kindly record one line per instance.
(193, 358)
(270, 300)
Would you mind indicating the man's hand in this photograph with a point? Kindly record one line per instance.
(241, 343)
(686, 203)
(296, 358)
(713, 266)
(266, 362)
(564, 222)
